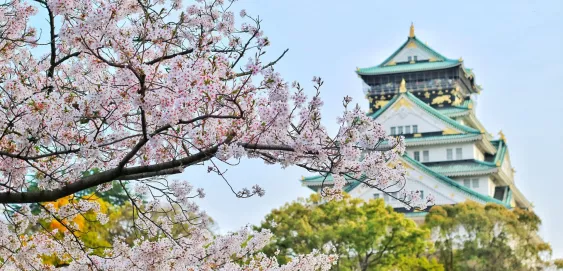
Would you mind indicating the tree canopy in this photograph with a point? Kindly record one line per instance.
(470, 236)
(365, 235)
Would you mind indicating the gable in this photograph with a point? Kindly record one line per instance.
(405, 112)
(412, 49)
(410, 116)
(419, 177)
(405, 102)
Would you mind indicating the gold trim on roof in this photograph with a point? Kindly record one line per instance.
(403, 87)
(411, 32)
(501, 134)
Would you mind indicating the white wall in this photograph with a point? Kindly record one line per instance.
(439, 152)
(485, 184)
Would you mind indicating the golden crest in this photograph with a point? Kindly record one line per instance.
(442, 99)
(457, 101)
(381, 103)
(501, 135)
(449, 131)
(427, 94)
(403, 86)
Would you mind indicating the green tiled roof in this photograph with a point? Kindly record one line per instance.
(461, 168)
(407, 67)
(317, 181)
(501, 151)
(437, 139)
(451, 182)
(454, 111)
(441, 138)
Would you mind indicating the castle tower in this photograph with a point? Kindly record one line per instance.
(429, 99)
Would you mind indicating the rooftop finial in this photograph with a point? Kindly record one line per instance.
(411, 33)
(403, 86)
(501, 134)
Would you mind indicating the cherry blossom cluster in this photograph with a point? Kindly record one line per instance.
(138, 91)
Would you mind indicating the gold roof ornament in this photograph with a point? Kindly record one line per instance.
(403, 86)
(411, 32)
(501, 134)
(460, 59)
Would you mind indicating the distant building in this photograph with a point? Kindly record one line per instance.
(430, 100)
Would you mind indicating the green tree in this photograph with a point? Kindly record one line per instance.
(471, 236)
(365, 235)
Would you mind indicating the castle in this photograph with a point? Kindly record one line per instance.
(429, 99)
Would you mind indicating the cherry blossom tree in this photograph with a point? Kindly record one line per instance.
(112, 91)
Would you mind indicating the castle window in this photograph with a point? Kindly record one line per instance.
(458, 154)
(425, 156)
(375, 196)
(410, 58)
(407, 129)
(400, 130)
(449, 154)
(415, 58)
(415, 129)
(475, 183)
(417, 155)
(393, 131)
(467, 183)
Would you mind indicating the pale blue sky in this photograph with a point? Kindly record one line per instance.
(514, 48)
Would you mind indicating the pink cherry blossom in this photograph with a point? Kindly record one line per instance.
(137, 91)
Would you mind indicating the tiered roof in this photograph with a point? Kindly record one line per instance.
(495, 150)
